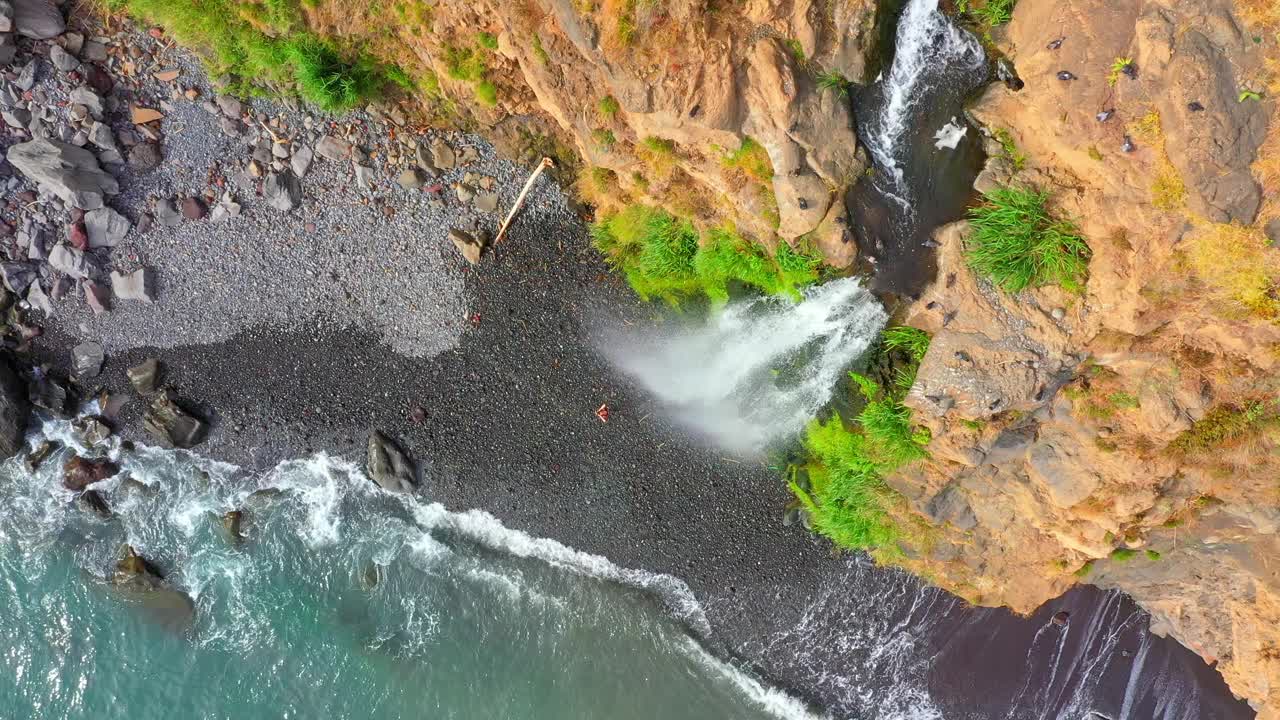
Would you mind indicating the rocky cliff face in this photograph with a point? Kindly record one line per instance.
(1125, 436)
(711, 109)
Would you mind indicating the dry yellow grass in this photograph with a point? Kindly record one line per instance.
(1236, 265)
(1168, 191)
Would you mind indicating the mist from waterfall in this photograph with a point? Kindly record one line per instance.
(755, 371)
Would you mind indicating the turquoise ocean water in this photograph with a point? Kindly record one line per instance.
(342, 601)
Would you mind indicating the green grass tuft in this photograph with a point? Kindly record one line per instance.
(662, 257)
(488, 41)
(1152, 555)
(834, 81)
(253, 45)
(752, 159)
(608, 106)
(995, 12)
(486, 93)
(1018, 245)
(1224, 426)
(1123, 555)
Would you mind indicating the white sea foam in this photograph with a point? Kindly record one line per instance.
(950, 135)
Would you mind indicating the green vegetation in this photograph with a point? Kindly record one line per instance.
(253, 45)
(663, 256)
(752, 159)
(990, 13)
(486, 93)
(832, 80)
(1018, 245)
(1118, 66)
(659, 146)
(1248, 95)
(1225, 426)
(1152, 555)
(608, 106)
(604, 138)
(796, 49)
(1123, 555)
(1015, 156)
(488, 41)
(1085, 569)
(847, 499)
(539, 51)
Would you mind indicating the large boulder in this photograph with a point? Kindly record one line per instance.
(140, 583)
(79, 473)
(170, 423)
(388, 466)
(15, 410)
(67, 171)
(38, 19)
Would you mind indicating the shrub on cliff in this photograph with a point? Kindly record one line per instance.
(847, 499)
(1018, 244)
(663, 256)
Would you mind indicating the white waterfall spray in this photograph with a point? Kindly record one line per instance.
(760, 368)
(926, 40)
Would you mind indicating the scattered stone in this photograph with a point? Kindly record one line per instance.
(283, 191)
(144, 157)
(465, 192)
(17, 276)
(1064, 75)
(471, 247)
(487, 202)
(167, 213)
(388, 466)
(333, 148)
(168, 422)
(468, 155)
(142, 115)
(100, 134)
(145, 378)
(411, 179)
(442, 155)
(1061, 618)
(38, 300)
(79, 473)
(27, 76)
(70, 261)
(17, 118)
(193, 208)
(94, 51)
(423, 157)
(61, 59)
(280, 151)
(136, 285)
(97, 297)
(300, 163)
(167, 75)
(106, 227)
(229, 106)
(6, 16)
(38, 19)
(1058, 313)
(67, 171)
(1195, 106)
(364, 176)
(231, 126)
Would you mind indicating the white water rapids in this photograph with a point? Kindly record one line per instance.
(759, 369)
(927, 41)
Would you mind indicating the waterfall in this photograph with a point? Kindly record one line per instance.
(759, 369)
(928, 45)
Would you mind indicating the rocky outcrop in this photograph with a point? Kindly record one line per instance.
(658, 97)
(15, 411)
(172, 424)
(388, 466)
(79, 473)
(1123, 436)
(140, 582)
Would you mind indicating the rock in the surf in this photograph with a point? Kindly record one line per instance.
(92, 501)
(79, 473)
(142, 584)
(233, 525)
(170, 423)
(388, 466)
